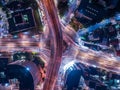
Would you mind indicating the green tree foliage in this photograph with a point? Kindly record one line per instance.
(38, 61)
(30, 57)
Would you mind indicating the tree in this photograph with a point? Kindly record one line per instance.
(38, 61)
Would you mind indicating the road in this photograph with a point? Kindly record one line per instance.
(55, 44)
(81, 54)
(84, 55)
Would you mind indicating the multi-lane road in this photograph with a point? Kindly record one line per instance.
(84, 55)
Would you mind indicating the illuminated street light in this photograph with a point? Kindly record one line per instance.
(27, 68)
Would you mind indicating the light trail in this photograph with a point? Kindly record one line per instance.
(85, 55)
(55, 44)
